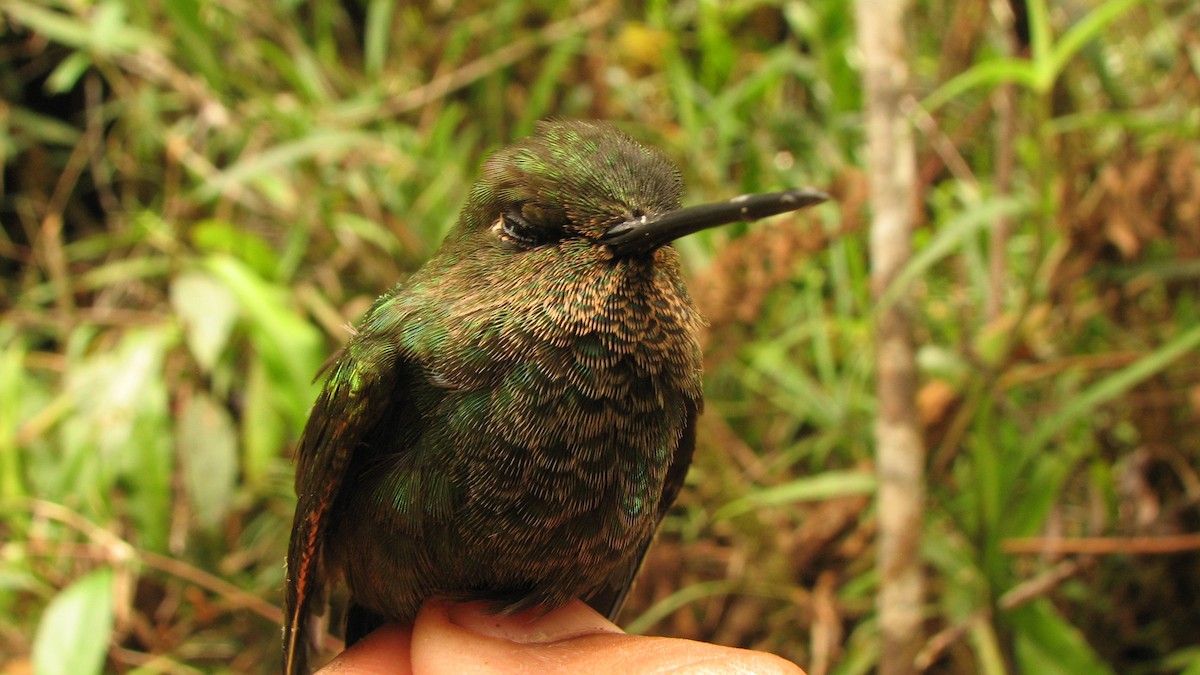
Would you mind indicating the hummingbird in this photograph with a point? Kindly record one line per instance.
(512, 423)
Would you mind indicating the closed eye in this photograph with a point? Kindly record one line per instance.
(514, 229)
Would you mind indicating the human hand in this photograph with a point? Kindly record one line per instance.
(463, 638)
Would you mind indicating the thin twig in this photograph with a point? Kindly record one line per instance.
(943, 145)
(235, 596)
(1159, 545)
(1005, 103)
(1017, 596)
(112, 548)
(152, 663)
(51, 240)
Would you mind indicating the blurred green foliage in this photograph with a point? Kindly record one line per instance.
(198, 196)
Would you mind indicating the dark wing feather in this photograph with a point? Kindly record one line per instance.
(609, 598)
(357, 393)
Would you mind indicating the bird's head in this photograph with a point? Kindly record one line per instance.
(577, 182)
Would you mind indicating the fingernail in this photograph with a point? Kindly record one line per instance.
(533, 626)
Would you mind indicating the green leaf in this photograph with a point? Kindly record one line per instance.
(948, 239)
(218, 236)
(1047, 643)
(826, 485)
(987, 649)
(1188, 659)
(104, 31)
(123, 270)
(74, 633)
(193, 40)
(290, 346)
(378, 31)
(329, 144)
(986, 74)
(263, 431)
(208, 311)
(56, 26)
(548, 82)
(1047, 57)
(12, 380)
(1040, 39)
(42, 128)
(119, 429)
(1079, 34)
(67, 73)
(1116, 384)
(367, 230)
(681, 598)
(207, 443)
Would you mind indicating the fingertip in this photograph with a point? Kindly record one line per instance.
(386, 651)
(533, 626)
(466, 637)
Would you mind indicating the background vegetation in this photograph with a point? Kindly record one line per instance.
(197, 197)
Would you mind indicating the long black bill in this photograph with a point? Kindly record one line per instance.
(647, 233)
